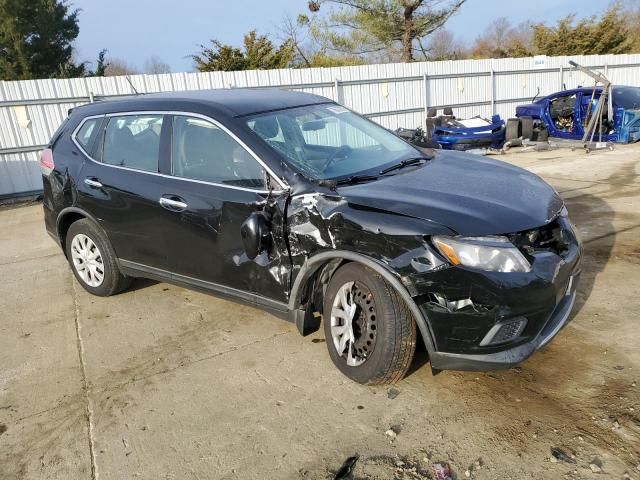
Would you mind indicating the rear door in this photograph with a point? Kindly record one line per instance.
(120, 185)
(215, 182)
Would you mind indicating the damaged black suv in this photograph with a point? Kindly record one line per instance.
(294, 204)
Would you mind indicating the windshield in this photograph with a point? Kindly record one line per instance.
(328, 141)
(627, 97)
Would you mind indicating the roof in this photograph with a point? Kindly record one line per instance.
(235, 102)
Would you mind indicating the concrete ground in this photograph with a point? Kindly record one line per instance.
(164, 383)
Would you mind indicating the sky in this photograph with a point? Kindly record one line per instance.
(134, 30)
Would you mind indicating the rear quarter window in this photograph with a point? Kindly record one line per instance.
(84, 136)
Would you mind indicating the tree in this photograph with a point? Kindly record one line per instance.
(36, 39)
(259, 53)
(373, 27)
(116, 67)
(442, 45)
(101, 65)
(632, 16)
(307, 51)
(153, 65)
(501, 40)
(588, 36)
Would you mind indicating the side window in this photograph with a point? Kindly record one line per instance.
(133, 141)
(85, 134)
(202, 151)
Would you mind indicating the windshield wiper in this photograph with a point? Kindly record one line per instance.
(356, 179)
(404, 163)
(353, 179)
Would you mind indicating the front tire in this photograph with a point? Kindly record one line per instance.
(370, 331)
(92, 259)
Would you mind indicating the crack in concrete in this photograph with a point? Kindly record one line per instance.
(29, 259)
(85, 385)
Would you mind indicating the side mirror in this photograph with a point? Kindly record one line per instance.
(255, 232)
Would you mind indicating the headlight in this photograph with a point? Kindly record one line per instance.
(495, 254)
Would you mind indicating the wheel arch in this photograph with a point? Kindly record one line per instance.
(331, 261)
(66, 218)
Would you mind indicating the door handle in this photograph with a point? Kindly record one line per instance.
(175, 204)
(92, 183)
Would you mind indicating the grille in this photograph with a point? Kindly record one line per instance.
(548, 238)
(504, 332)
(509, 331)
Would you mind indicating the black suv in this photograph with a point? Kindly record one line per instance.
(294, 204)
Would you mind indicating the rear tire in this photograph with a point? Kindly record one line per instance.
(527, 127)
(378, 342)
(92, 259)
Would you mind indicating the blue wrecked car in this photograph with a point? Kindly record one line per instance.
(566, 114)
(452, 133)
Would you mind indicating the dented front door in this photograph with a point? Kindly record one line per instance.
(213, 183)
(206, 243)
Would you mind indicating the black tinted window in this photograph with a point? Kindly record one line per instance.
(202, 151)
(85, 134)
(133, 141)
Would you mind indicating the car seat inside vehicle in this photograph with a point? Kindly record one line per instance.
(561, 110)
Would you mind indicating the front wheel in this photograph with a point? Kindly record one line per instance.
(370, 331)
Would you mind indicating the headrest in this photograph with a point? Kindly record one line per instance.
(122, 136)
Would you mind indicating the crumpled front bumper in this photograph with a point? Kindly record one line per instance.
(511, 357)
(465, 308)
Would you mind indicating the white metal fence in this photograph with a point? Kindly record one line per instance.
(394, 95)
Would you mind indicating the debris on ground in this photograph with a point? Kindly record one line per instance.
(441, 471)
(560, 455)
(394, 431)
(392, 393)
(595, 468)
(596, 465)
(345, 472)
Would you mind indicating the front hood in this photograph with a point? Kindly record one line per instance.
(469, 194)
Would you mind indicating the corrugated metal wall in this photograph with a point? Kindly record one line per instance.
(394, 95)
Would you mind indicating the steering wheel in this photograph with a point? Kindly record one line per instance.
(340, 154)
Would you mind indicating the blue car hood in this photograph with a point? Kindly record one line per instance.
(469, 194)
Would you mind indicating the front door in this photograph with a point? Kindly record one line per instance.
(213, 185)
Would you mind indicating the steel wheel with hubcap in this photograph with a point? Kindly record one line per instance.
(92, 259)
(371, 334)
(353, 328)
